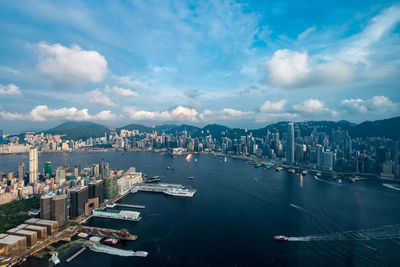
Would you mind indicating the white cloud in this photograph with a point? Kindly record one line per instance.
(44, 113)
(179, 113)
(184, 113)
(271, 117)
(104, 115)
(130, 82)
(97, 97)
(377, 104)
(225, 114)
(7, 69)
(304, 34)
(269, 106)
(358, 48)
(310, 106)
(289, 69)
(11, 116)
(71, 65)
(124, 92)
(286, 68)
(10, 89)
(359, 57)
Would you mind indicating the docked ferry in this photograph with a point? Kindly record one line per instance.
(179, 192)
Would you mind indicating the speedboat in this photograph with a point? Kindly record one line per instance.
(281, 238)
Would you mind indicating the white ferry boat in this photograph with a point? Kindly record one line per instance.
(179, 192)
(118, 214)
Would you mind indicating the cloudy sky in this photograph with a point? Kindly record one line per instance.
(242, 64)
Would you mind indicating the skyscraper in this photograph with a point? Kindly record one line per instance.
(48, 170)
(33, 165)
(79, 196)
(59, 209)
(290, 143)
(54, 208)
(21, 170)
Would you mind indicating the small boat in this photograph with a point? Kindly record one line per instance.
(21, 261)
(111, 241)
(279, 169)
(54, 258)
(340, 181)
(96, 238)
(291, 171)
(83, 235)
(281, 238)
(191, 177)
(304, 172)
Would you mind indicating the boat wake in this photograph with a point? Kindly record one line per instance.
(322, 180)
(391, 186)
(297, 207)
(380, 233)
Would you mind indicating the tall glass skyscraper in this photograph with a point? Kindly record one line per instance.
(290, 143)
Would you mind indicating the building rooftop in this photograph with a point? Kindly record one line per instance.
(32, 220)
(35, 227)
(46, 222)
(96, 182)
(60, 196)
(25, 232)
(11, 239)
(78, 189)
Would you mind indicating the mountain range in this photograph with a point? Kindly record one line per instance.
(389, 128)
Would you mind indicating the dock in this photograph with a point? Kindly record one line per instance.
(130, 206)
(76, 254)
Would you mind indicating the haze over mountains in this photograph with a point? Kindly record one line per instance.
(389, 128)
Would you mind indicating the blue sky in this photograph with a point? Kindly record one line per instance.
(238, 63)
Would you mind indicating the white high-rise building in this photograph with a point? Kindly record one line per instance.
(33, 165)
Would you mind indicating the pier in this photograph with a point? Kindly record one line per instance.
(76, 254)
(130, 206)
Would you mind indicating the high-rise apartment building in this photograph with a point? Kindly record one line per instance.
(21, 170)
(33, 165)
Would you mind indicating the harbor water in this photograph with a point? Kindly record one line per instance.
(237, 210)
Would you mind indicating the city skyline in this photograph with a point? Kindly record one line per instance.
(244, 64)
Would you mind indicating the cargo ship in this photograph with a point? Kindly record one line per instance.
(111, 241)
(179, 192)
